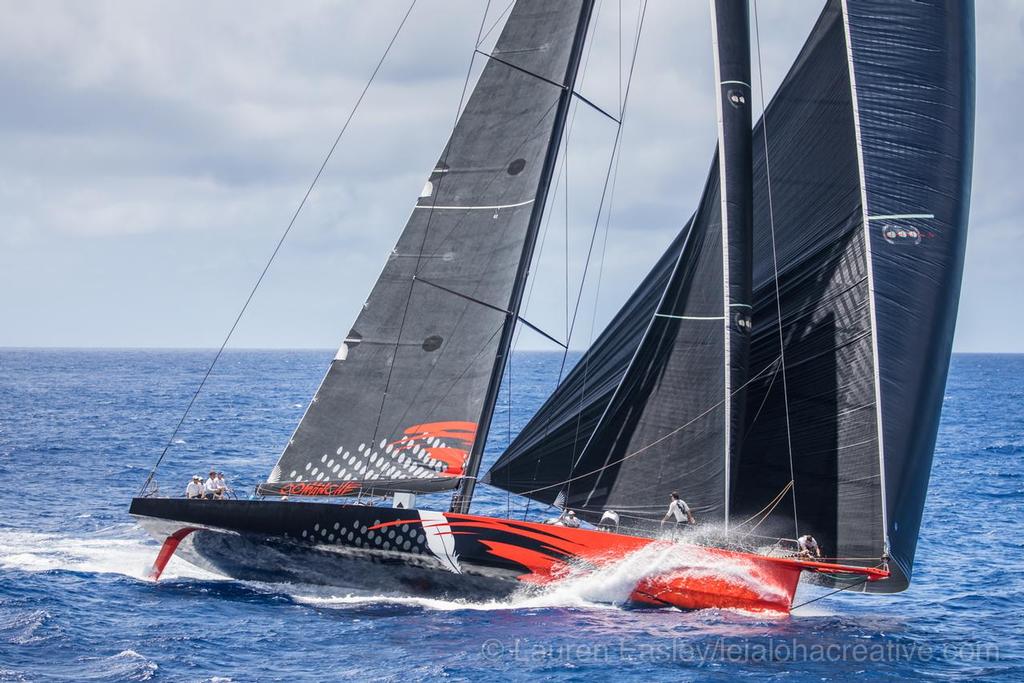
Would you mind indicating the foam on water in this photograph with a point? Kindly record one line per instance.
(104, 553)
(606, 587)
(120, 551)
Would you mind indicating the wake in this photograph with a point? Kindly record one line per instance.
(111, 551)
(124, 550)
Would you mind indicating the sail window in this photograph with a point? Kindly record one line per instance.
(432, 343)
(516, 167)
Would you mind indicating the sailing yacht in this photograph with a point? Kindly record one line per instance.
(781, 366)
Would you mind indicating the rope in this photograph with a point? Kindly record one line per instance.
(838, 590)
(277, 248)
(769, 507)
(775, 267)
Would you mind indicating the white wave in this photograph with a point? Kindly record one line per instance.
(124, 550)
(606, 587)
(101, 553)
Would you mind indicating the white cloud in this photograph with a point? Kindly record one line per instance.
(152, 153)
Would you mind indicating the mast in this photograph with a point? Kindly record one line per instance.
(464, 495)
(730, 34)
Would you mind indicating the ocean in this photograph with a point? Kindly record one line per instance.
(79, 430)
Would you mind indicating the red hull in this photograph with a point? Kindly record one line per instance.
(703, 577)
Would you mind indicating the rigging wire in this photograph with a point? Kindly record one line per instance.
(481, 39)
(775, 266)
(616, 148)
(601, 262)
(766, 510)
(430, 215)
(277, 248)
(562, 171)
(838, 590)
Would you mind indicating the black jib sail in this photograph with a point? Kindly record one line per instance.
(861, 174)
(663, 427)
(407, 400)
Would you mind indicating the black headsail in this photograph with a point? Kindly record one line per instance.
(408, 398)
(665, 424)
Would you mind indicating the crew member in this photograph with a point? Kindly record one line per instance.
(222, 485)
(609, 521)
(194, 488)
(678, 511)
(808, 547)
(571, 520)
(211, 489)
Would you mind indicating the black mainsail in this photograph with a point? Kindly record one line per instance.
(407, 400)
(666, 424)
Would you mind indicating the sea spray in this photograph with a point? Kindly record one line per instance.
(127, 553)
(581, 586)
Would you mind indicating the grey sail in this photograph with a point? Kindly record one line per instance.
(665, 426)
(406, 402)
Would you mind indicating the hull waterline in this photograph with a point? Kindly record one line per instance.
(454, 556)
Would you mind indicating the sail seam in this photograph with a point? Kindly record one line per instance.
(870, 273)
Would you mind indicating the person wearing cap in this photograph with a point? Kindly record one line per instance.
(194, 488)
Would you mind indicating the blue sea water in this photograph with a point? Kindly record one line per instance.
(79, 430)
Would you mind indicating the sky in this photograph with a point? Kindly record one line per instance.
(151, 154)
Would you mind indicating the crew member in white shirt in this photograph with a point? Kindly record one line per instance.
(194, 488)
(678, 511)
(808, 547)
(222, 485)
(212, 491)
